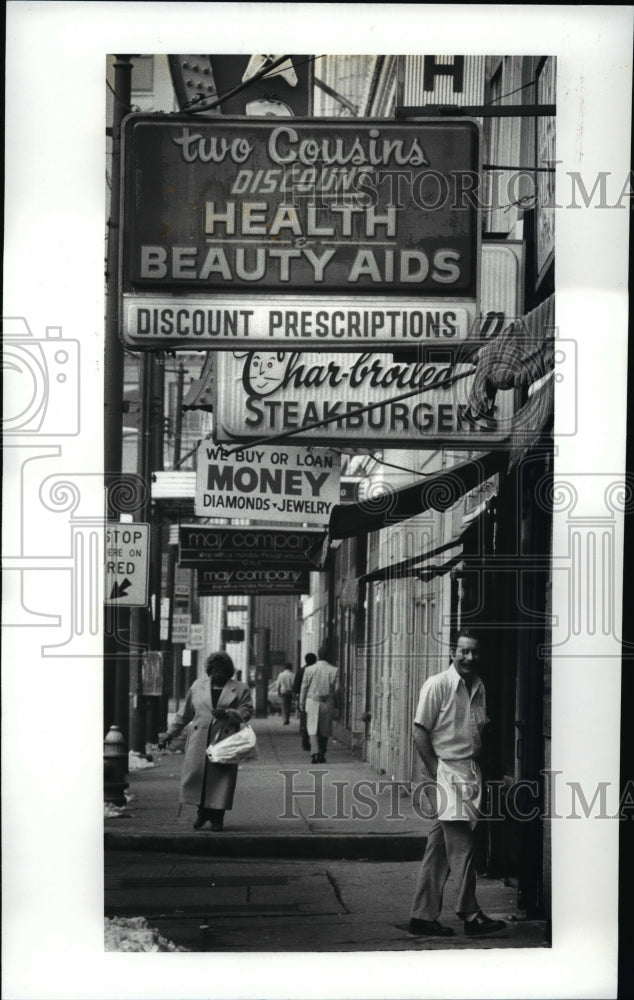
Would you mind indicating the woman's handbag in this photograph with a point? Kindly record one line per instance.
(238, 747)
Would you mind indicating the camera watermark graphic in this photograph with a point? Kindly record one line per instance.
(60, 590)
(41, 381)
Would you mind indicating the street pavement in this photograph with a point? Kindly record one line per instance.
(312, 858)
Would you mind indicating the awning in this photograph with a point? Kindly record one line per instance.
(439, 491)
(425, 575)
(411, 566)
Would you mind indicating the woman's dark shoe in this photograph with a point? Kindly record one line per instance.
(200, 821)
(216, 819)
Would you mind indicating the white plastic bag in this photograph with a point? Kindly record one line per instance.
(235, 748)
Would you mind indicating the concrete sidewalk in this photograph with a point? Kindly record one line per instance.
(284, 807)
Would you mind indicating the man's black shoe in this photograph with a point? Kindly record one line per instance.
(430, 927)
(481, 924)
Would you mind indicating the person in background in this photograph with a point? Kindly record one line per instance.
(285, 690)
(320, 688)
(309, 659)
(216, 706)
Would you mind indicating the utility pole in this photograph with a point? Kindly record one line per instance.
(178, 416)
(172, 655)
(116, 652)
(141, 617)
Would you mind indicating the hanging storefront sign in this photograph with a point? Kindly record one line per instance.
(222, 218)
(349, 323)
(240, 547)
(275, 483)
(373, 399)
(251, 581)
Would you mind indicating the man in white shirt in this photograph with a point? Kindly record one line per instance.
(448, 726)
(285, 683)
(320, 688)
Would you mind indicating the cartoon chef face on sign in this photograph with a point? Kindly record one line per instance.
(263, 371)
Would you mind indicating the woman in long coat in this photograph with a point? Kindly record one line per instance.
(216, 706)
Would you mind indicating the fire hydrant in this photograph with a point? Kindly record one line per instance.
(115, 767)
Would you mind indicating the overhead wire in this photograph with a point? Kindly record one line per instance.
(116, 96)
(382, 461)
(500, 97)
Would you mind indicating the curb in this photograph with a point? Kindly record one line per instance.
(358, 847)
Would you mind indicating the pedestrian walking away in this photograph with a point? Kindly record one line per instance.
(320, 688)
(216, 706)
(309, 659)
(448, 726)
(285, 683)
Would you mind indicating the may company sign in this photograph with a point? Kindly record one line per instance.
(260, 232)
(228, 547)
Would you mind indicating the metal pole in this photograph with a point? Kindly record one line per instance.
(113, 362)
(140, 616)
(157, 407)
(116, 656)
(223, 624)
(178, 416)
